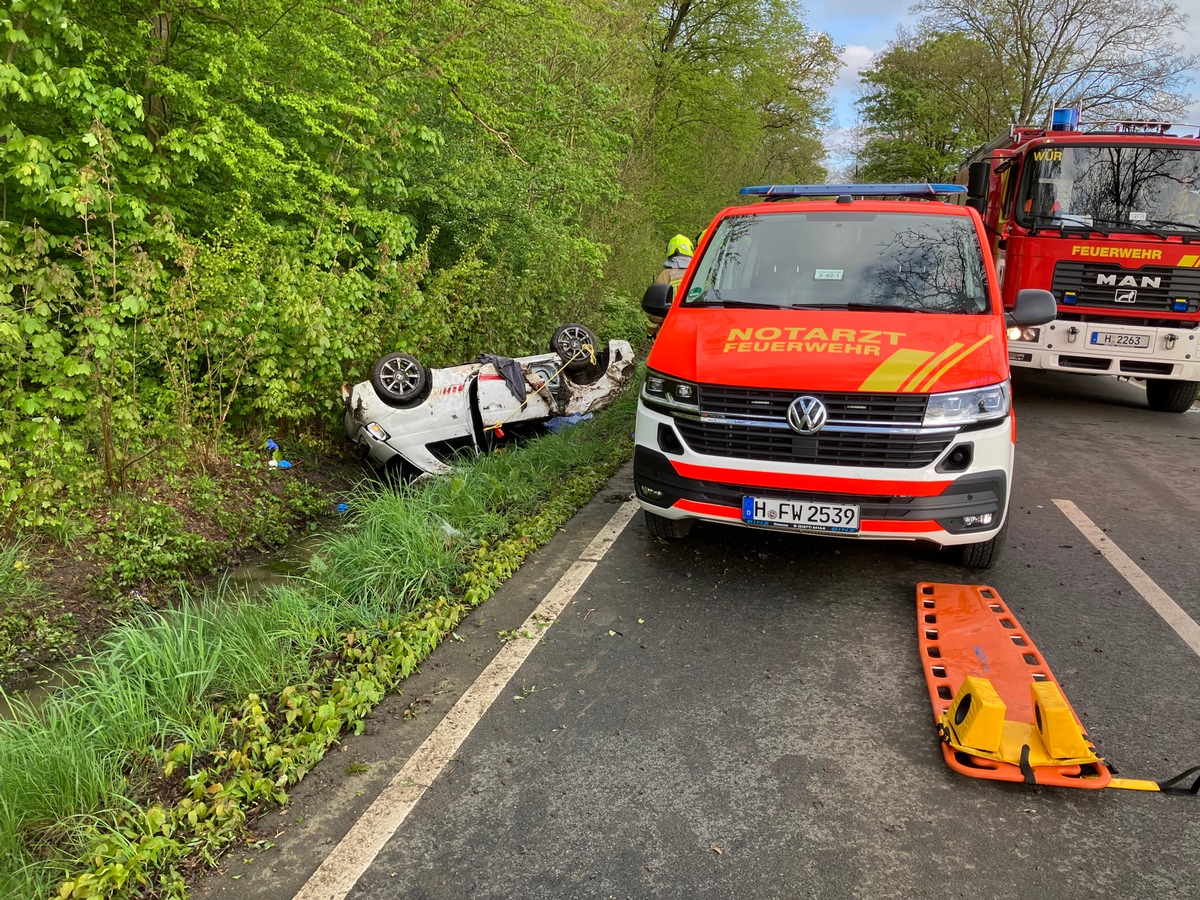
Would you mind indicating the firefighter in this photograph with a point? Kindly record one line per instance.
(679, 257)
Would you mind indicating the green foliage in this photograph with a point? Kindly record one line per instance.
(213, 215)
(147, 547)
(30, 620)
(930, 99)
(230, 700)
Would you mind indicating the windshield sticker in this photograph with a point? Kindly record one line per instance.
(828, 274)
(695, 292)
(1137, 217)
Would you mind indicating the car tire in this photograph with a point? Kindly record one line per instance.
(400, 380)
(983, 554)
(575, 345)
(667, 529)
(1171, 396)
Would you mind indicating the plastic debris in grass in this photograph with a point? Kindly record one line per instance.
(559, 423)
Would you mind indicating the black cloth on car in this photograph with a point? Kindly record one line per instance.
(510, 371)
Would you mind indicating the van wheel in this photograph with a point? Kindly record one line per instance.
(1171, 396)
(983, 554)
(667, 529)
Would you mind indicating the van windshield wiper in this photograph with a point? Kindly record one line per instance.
(713, 298)
(859, 306)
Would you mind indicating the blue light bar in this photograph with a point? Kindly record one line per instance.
(784, 191)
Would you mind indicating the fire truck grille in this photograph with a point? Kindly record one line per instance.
(1151, 289)
(757, 429)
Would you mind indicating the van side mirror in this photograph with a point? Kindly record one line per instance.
(1034, 307)
(979, 177)
(658, 299)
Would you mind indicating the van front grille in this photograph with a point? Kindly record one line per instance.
(862, 430)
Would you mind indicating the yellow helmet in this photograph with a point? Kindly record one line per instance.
(680, 244)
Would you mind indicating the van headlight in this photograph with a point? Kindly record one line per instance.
(672, 393)
(968, 407)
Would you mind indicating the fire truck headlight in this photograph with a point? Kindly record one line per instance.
(1028, 334)
(968, 407)
(673, 393)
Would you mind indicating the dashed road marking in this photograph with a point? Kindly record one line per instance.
(340, 871)
(1185, 626)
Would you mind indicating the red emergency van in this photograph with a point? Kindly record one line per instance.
(835, 362)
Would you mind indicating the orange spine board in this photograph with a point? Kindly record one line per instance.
(968, 630)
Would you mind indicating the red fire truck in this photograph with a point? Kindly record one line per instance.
(1106, 216)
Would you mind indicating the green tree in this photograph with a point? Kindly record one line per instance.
(738, 96)
(1109, 57)
(928, 100)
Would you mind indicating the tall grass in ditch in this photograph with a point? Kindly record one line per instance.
(96, 748)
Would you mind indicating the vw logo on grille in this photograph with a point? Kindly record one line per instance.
(807, 415)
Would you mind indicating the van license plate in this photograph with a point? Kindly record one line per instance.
(835, 517)
(1117, 339)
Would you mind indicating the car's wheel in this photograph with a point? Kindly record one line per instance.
(667, 529)
(983, 554)
(400, 380)
(1171, 396)
(575, 345)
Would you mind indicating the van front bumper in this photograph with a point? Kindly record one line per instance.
(893, 504)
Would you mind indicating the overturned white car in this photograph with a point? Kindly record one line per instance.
(417, 419)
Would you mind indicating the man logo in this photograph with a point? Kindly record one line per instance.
(1146, 281)
(807, 415)
(1126, 296)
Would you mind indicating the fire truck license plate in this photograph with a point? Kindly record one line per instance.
(1117, 339)
(836, 517)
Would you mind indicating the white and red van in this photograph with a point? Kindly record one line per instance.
(835, 366)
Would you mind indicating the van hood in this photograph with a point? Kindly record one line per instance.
(832, 350)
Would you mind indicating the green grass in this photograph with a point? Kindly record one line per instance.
(222, 703)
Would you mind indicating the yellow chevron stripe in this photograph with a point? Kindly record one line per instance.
(1188, 260)
(954, 362)
(911, 384)
(894, 371)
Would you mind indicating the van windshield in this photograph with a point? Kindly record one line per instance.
(843, 260)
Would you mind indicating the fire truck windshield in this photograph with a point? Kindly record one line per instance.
(1122, 187)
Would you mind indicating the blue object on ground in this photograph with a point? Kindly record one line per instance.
(558, 423)
(271, 445)
(284, 464)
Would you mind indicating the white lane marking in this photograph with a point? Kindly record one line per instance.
(1185, 626)
(339, 872)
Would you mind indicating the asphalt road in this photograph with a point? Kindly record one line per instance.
(743, 714)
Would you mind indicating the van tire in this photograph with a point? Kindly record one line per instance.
(983, 554)
(1171, 396)
(667, 529)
